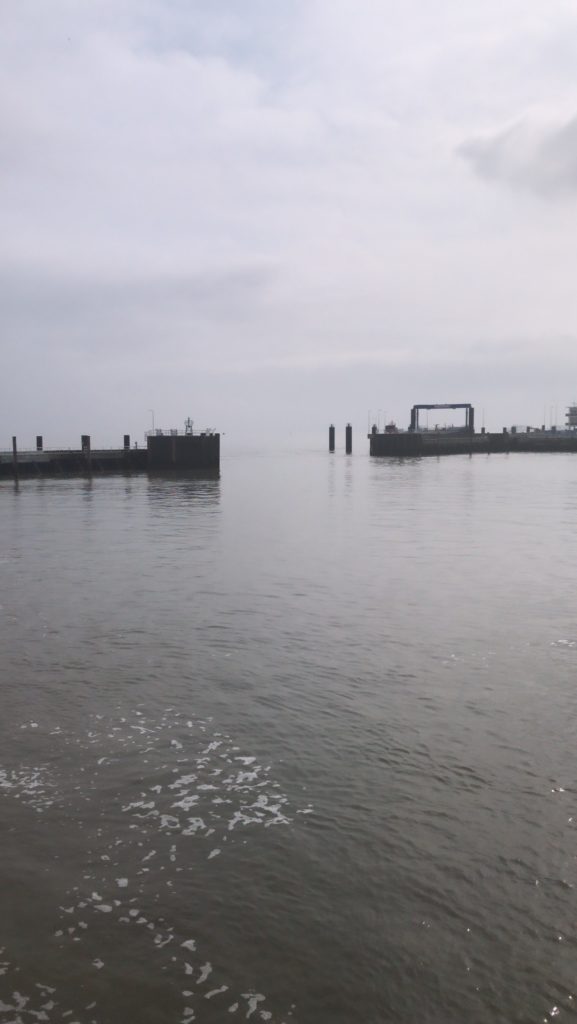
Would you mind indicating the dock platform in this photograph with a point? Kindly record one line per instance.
(420, 441)
(409, 444)
(166, 451)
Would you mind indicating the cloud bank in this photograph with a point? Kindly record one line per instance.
(541, 160)
(261, 213)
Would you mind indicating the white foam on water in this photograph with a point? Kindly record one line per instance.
(194, 825)
(139, 804)
(253, 999)
(207, 779)
(216, 991)
(184, 780)
(187, 802)
(169, 821)
(33, 786)
(205, 970)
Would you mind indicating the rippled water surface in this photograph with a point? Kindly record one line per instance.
(297, 745)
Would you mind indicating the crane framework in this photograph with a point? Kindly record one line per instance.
(469, 413)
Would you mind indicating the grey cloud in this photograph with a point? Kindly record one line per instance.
(39, 306)
(541, 160)
(247, 211)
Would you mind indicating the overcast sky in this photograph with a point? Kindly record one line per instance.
(271, 214)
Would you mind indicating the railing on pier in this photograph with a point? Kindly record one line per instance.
(173, 432)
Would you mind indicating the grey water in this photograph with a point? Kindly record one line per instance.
(294, 745)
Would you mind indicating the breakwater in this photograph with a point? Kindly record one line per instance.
(432, 442)
(165, 451)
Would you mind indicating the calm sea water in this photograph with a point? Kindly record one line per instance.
(296, 745)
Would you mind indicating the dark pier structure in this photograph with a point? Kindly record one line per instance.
(166, 451)
(188, 451)
(421, 441)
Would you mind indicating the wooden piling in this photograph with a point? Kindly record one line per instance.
(85, 442)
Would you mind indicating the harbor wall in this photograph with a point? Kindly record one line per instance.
(183, 451)
(69, 462)
(407, 444)
(165, 453)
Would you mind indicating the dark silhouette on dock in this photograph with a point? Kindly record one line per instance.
(166, 451)
(418, 441)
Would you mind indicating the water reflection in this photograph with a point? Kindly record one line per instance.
(348, 476)
(168, 495)
(87, 488)
(331, 476)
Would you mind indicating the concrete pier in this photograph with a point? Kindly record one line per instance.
(418, 441)
(73, 462)
(175, 451)
(409, 444)
(165, 451)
